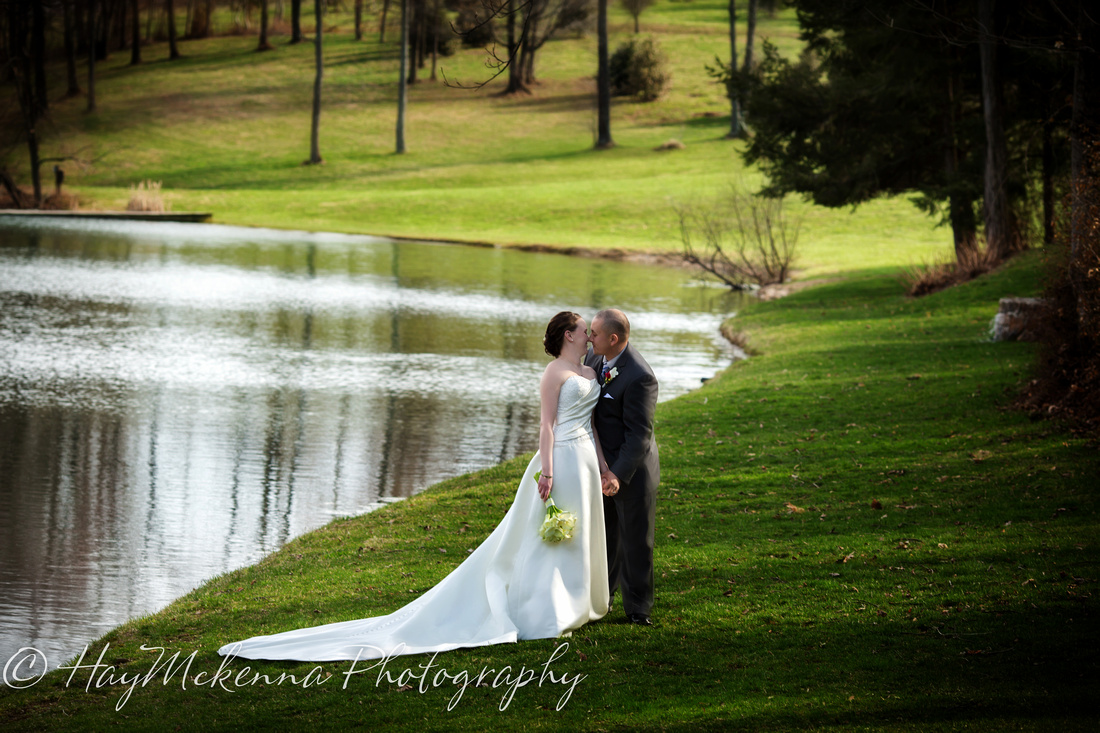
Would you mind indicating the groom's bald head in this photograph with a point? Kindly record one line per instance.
(613, 321)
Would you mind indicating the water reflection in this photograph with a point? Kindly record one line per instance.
(178, 400)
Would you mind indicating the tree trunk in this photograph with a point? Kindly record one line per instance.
(735, 106)
(402, 82)
(421, 32)
(123, 6)
(435, 37)
(104, 35)
(637, 28)
(91, 54)
(530, 45)
(264, 45)
(80, 25)
(1084, 153)
(135, 34)
(70, 51)
(13, 190)
(382, 25)
(515, 76)
(413, 42)
(200, 19)
(998, 231)
(603, 81)
(295, 21)
(319, 63)
(173, 49)
(960, 208)
(359, 20)
(1048, 183)
(750, 37)
(38, 56)
(36, 174)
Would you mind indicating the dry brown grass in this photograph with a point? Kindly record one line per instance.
(929, 278)
(61, 202)
(146, 196)
(738, 338)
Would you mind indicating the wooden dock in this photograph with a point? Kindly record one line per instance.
(193, 217)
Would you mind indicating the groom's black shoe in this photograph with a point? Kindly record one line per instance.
(640, 619)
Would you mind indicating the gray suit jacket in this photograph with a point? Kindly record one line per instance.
(624, 421)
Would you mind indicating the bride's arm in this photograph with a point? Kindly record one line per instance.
(599, 448)
(548, 415)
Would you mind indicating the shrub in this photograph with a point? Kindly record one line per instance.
(146, 196)
(639, 69)
(741, 239)
(970, 263)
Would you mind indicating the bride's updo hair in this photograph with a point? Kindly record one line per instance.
(555, 331)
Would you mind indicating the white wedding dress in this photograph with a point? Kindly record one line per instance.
(514, 586)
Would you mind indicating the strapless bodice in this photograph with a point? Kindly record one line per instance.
(576, 399)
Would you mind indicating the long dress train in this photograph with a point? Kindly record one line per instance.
(513, 586)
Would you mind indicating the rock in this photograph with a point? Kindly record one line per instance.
(1018, 319)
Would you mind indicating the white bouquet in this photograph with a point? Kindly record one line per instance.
(558, 524)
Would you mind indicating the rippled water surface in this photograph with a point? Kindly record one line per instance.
(177, 401)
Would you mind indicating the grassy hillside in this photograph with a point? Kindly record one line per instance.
(853, 534)
(226, 130)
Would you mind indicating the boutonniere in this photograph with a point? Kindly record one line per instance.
(609, 375)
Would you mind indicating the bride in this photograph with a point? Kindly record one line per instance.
(515, 585)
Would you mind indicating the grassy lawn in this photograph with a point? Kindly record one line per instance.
(226, 129)
(854, 533)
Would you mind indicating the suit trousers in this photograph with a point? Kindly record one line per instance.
(629, 519)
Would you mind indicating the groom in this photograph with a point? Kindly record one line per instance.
(624, 421)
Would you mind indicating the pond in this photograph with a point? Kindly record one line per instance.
(177, 401)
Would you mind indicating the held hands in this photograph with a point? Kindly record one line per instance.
(609, 483)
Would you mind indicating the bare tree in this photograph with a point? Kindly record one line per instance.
(435, 38)
(740, 239)
(319, 65)
(603, 81)
(543, 19)
(998, 228)
(263, 44)
(93, 11)
(750, 37)
(135, 34)
(295, 21)
(382, 23)
(173, 47)
(38, 55)
(70, 49)
(403, 79)
(20, 67)
(736, 129)
(636, 8)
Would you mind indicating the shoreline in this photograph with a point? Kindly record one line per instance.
(615, 254)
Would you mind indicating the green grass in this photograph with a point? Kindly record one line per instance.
(855, 532)
(226, 129)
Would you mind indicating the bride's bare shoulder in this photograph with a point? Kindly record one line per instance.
(554, 374)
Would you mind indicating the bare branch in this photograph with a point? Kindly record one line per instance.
(744, 240)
